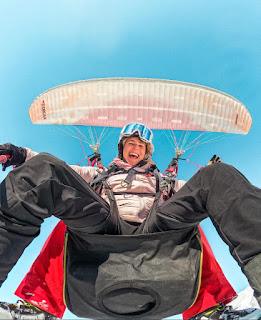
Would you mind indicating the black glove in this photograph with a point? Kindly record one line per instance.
(214, 159)
(17, 155)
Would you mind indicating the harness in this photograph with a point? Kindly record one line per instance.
(164, 186)
(122, 270)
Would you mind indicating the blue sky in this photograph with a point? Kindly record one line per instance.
(47, 43)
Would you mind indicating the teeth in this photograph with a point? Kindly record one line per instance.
(134, 155)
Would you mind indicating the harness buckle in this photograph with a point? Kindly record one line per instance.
(125, 184)
(163, 184)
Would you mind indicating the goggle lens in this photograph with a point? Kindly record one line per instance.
(144, 131)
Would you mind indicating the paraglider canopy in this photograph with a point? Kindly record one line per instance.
(159, 104)
(189, 114)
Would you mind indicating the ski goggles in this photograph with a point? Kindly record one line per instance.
(144, 132)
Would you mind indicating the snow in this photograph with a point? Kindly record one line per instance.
(245, 300)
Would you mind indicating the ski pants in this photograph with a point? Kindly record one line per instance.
(45, 186)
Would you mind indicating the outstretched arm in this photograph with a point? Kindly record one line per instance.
(16, 156)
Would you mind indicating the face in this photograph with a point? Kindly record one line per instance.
(134, 150)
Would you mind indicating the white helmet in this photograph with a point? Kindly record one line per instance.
(139, 130)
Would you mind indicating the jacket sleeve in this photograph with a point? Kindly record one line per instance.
(179, 184)
(30, 154)
(87, 173)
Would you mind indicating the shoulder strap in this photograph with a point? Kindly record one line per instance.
(132, 171)
(104, 175)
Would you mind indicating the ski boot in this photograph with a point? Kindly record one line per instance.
(221, 312)
(23, 310)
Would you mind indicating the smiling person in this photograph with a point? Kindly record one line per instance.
(134, 150)
(140, 256)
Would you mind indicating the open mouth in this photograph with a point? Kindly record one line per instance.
(133, 155)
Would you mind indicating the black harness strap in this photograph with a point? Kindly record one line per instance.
(160, 181)
(104, 175)
(131, 173)
(167, 184)
(127, 181)
(114, 210)
(152, 214)
(135, 193)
